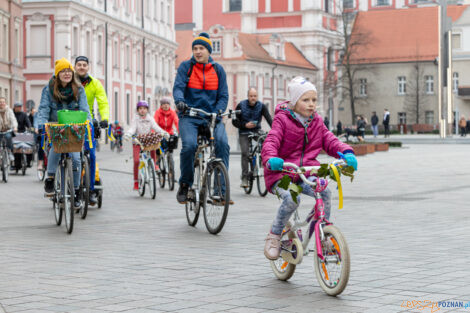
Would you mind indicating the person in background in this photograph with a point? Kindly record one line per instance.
(339, 128)
(7, 122)
(463, 126)
(167, 119)
(374, 120)
(326, 121)
(386, 122)
(21, 118)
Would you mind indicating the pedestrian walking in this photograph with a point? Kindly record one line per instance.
(339, 128)
(326, 121)
(374, 120)
(361, 126)
(386, 123)
(463, 126)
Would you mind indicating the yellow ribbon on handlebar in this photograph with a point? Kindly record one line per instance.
(88, 130)
(340, 189)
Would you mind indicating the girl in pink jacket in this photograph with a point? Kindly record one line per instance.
(298, 135)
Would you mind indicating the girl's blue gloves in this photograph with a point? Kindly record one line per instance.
(350, 158)
(276, 164)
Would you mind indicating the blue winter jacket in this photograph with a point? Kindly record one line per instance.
(48, 107)
(206, 89)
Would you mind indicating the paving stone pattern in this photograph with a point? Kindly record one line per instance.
(406, 220)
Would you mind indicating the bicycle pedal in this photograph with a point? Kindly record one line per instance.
(48, 195)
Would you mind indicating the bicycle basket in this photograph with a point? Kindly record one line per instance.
(150, 141)
(66, 137)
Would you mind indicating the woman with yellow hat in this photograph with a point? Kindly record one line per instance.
(63, 92)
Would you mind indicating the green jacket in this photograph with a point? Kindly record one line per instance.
(94, 89)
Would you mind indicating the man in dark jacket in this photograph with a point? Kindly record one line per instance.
(21, 117)
(374, 120)
(200, 83)
(386, 122)
(249, 121)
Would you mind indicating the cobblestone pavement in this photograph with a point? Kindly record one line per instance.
(406, 219)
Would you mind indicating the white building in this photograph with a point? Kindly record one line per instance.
(131, 48)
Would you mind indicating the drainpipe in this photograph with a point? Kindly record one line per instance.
(143, 50)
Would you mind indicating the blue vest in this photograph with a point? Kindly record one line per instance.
(251, 113)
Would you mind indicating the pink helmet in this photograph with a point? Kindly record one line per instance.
(142, 104)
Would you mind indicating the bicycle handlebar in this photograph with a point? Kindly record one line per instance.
(301, 170)
(6, 132)
(193, 112)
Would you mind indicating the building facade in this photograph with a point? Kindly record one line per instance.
(130, 44)
(11, 54)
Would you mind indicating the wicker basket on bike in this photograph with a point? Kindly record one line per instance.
(150, 141)
(67, 137)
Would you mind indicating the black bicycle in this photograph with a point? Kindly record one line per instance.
(256, 165)
(167, 164)
(84, 189)
(4, 156)
(211, 187)
(63, 196)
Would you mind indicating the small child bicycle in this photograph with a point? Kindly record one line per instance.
(332, 260)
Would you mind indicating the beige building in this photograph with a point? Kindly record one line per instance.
(131, 48)
(11, 56)
(398, 70)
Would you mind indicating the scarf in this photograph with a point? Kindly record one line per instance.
(5, 122)
(85, 80)
(66, 92)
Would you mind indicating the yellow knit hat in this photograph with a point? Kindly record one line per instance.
(62, 64)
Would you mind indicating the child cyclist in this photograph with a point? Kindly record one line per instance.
(142, 124)
(297, 136)
(167, 119)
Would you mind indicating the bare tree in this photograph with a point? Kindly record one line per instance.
(415, 92)
(351, 63)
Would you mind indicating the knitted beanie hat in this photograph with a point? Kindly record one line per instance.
(61, 65)
(203, 39)
(297, 87)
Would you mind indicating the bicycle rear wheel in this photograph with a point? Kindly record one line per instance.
(250, 179)
(262, 190)
(100, 192)
(5, 166)
(162, 172)
(171, 171)
(85, 187)
(24, 164)
(68, 194)
(333, 273)
(152, 178)
(193, 205)
(217, 197)
(55, 200)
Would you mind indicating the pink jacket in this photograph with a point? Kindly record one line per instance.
(287, 138)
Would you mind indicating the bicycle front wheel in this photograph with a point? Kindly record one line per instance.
(68, 194)
(217, 197)
(161, 173)
(171, 171)
(262, 190)
(85, 187)
(24, 164)
(55, 200)
(152, 178)
(333, 272)
(142, 178)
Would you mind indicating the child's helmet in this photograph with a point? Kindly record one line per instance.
(142, 104)
(116, 122)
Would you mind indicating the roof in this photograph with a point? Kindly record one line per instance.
(403, 35)
(252, 48)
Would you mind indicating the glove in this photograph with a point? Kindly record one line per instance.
(181, 107)
(166, 135)
(350, 159)
(104, 124)
(276, 164)
(95, 123)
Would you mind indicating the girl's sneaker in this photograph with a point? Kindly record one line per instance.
(136, 185)
(272, 248)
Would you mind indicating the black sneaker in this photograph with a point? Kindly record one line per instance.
(49, 185)
(182, 194)
(93, 198)
(76, 200)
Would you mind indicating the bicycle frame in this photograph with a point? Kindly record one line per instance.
(316, 217)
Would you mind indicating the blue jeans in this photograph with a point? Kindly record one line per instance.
(188, 127)
(375, 130)
(92, 158)
(53, 162)
(288, 206)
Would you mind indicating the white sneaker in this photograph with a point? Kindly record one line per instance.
(12, 157)
(272, 248)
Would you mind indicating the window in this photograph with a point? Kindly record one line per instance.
(75, 42)
(155, 10)
(162, 69)
(401, 117)
(429, 81)
(168, 14)
(156, 66)
(402, 85)
(216, 46)
(330, 59)
(161, 12)
(280, 86)
(267, 84)
(99, 49)
(116, 105)
(253, 81)
(363, 87)
(278, 51)
(128, 108)
(5, 39)
(147, 64)
(128, 58)
(429, 117)
(88, 44)
(383, 2)
(137, 65)
(456, 41)
(327, 6)
(455, 82)
(17, 48)
(235, 5)
(38, 40)
(348, 4)
(116, 55)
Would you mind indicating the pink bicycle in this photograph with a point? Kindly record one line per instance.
(331, 260)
